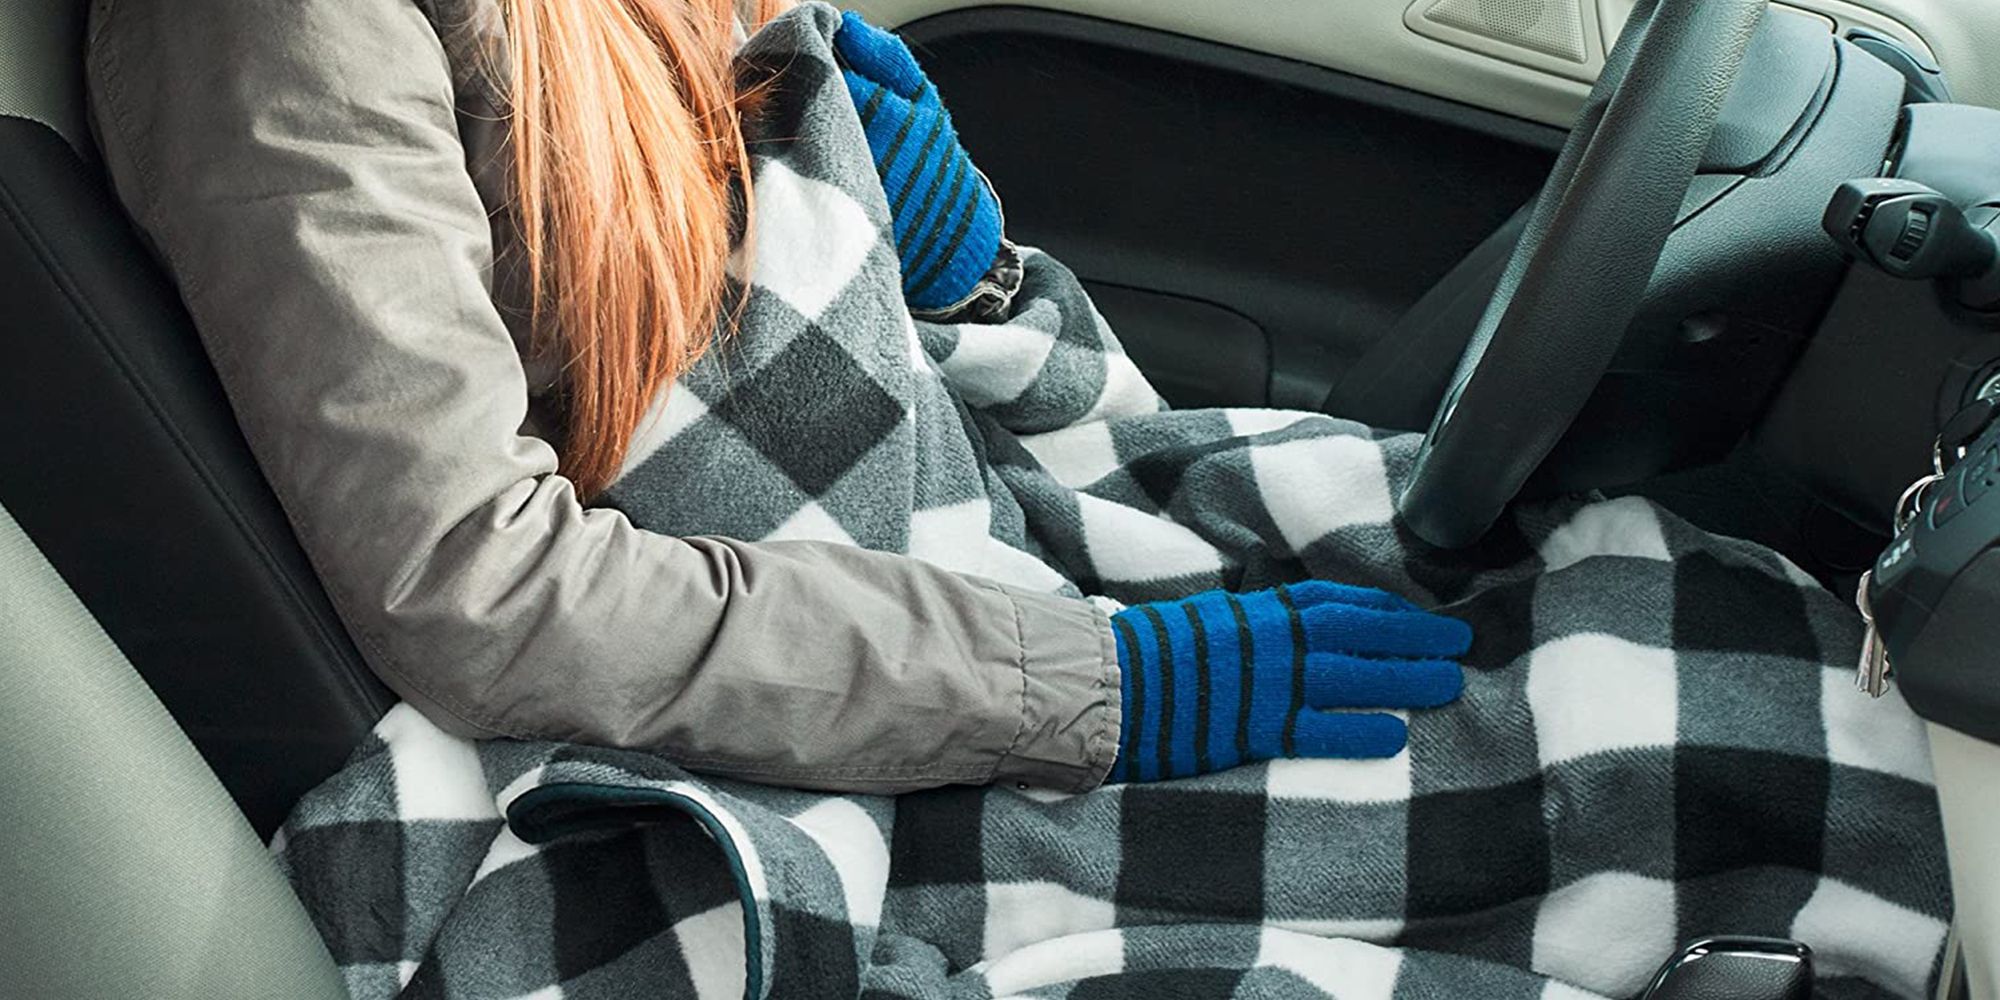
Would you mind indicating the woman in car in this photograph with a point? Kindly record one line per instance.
(454, 260)
(437, 401)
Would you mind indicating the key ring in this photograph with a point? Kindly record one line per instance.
(1912, 500)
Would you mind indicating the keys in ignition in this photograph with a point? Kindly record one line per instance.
(1961, 430)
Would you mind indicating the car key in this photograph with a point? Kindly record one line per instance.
(1873, 672)
(1947, 449)
(1873, 675)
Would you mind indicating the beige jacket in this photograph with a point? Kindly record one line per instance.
(318, 176)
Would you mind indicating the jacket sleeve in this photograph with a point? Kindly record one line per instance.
(297, 165)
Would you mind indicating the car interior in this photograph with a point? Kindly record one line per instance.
(1756, 283)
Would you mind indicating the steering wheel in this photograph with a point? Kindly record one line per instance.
(1577, 277)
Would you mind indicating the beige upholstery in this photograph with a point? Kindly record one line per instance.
(125, 870)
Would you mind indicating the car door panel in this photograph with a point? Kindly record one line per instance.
(1252, 225)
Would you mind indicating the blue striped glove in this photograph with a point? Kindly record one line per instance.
(946, 219)
(1221, 679)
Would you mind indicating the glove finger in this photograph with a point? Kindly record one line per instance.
(1340, 628)
(1349, 735)
(1311, 592)
(1335, 680)
(879, 55)
(883, 112)
(873, 100)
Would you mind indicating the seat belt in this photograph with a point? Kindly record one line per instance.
(125, 868)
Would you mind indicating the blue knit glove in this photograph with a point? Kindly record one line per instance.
(1221, 679)
(946, 219)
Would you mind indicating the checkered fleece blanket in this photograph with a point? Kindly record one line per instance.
(1658, 741)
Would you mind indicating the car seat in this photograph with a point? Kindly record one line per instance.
(121, 459)
(124, 869)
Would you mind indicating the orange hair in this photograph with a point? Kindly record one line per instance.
(630, 181)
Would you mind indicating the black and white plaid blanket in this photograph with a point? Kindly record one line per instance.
(1659, 738)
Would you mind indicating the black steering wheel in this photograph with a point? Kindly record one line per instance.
(1583, 264)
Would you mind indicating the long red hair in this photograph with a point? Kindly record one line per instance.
(631, 181)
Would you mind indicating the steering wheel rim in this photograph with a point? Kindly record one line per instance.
(1576, 280)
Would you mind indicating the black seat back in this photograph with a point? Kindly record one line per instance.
(121, 459)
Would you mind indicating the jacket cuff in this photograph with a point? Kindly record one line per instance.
(1070, 696)
(992, 299)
